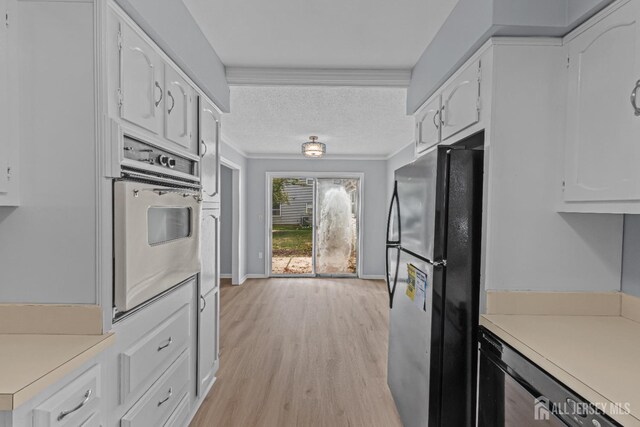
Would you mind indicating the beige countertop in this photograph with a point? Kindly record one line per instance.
(31, 362)
(598, 356)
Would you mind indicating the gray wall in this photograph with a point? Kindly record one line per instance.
(171, 26)
(401, 158)
(473, 22)
(631, 255)
(374, 206)
(226, 220)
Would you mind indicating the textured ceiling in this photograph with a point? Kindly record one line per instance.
(320, 34)
(351, 121)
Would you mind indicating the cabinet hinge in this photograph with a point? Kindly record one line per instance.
(564, 184)
(120, 98)
(9, 174)
(479, 71)
(119, 40)
(6, 19)
(568, 61)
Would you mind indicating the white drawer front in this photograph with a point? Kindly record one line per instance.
(154, 352)
(157, 404)
(92, 421)
(73, 404)
(179, 416)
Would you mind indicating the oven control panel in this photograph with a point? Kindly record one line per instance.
(154, 156)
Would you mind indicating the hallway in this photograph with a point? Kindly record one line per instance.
(302, 352)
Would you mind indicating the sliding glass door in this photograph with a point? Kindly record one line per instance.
(314, 226)
(336, 248)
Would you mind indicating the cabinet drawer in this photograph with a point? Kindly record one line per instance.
(157, 404)
(179, 416)
(154, 352)
(92, 421)
(73, 404)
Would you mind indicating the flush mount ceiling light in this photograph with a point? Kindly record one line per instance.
(313, 148)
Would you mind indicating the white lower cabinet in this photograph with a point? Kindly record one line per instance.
(209, 244)
(158, 403)
(153, 365)
(208, 340)
(77, 403)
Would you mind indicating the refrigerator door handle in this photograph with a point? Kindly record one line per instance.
(392, 288)
(394, 200)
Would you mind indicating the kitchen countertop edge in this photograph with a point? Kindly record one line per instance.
(11, 401)
(576, 384)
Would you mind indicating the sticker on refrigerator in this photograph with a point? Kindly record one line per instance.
(411, 286)
(417, 287)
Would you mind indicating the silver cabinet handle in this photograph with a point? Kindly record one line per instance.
(173, 102)
(204, 303)
(436, 116)
(634, 104)
(204, 148)
(161, 93)
(441, 116)
(166, 398)
(169, 341)
(64, 414)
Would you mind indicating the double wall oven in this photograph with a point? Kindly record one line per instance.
(156, 230)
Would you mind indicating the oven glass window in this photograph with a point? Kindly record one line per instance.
(168, 223)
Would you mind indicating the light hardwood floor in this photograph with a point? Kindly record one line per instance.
(302, 352)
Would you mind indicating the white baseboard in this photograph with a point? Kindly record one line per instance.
(226, 276)
(252, 276)
(372, 277)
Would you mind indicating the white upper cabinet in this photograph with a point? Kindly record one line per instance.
(141, 81)
(602, 151)
(428, 125)
(208, 339)
(210, 163)
(209, 238)
(179, 104)
(461, 102)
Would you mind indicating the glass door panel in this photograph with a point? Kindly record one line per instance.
(337, 226)
(292, 201)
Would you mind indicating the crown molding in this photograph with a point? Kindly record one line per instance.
(257, 76)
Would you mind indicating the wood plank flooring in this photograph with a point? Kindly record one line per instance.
(302, 352)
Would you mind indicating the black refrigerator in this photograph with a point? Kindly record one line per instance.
(433, 278)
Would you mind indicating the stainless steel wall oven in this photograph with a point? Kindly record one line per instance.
(156, 229)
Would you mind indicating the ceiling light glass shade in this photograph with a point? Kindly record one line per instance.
(314, 148)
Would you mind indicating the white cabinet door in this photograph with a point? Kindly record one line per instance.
(461, 102)
(5, 136)
(179, 109)
(210, 163)
(209, 241)
(141, 82)
(602, 142)
(208, 339)
(429, 124)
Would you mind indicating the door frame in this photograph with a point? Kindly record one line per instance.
(269, 219)
(237, 248)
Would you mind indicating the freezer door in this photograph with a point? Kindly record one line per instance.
(417, 204)
(393, 220)
(409, 346)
